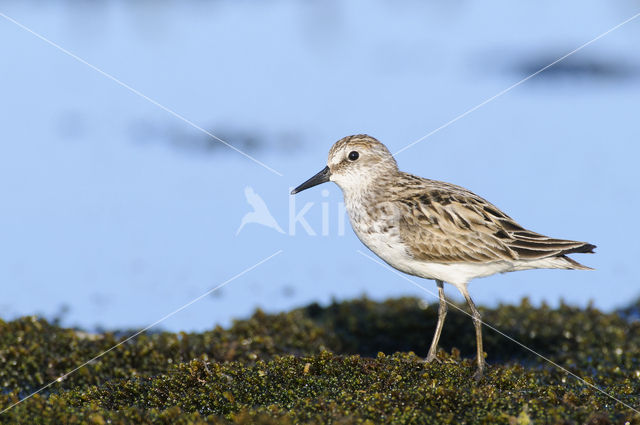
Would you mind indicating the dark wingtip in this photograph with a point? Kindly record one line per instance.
(585, 248)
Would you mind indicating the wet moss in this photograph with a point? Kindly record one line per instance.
(321, 364)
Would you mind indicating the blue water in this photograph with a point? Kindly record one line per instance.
(116, 212)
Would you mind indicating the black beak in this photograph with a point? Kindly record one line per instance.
(321, 177)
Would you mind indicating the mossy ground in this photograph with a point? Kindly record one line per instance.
(324, 365)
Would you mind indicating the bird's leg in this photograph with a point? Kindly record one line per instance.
(442, 312)
(478, 325)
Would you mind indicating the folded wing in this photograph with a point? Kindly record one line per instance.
(449, 224)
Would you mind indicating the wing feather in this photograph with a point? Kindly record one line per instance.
(445, 223)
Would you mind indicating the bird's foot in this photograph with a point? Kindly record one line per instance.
(477, 376)
(431, 357)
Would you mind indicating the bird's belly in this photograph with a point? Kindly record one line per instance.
(393, 250)
(386, 245)
(389, 246)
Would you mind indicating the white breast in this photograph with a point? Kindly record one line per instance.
(381, 236)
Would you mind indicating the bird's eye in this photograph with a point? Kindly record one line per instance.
(353, 155)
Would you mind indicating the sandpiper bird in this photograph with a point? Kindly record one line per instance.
(432, 229)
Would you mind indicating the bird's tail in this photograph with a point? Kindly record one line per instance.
(572, 264)
(558, 259)
(585, 248)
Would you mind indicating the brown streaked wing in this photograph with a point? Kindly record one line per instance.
(444, 223)
(439, 227)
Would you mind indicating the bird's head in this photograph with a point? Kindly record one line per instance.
(354, 163)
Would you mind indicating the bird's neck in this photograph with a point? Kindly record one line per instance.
(365, 193)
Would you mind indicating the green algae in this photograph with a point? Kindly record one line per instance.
(321, 365)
